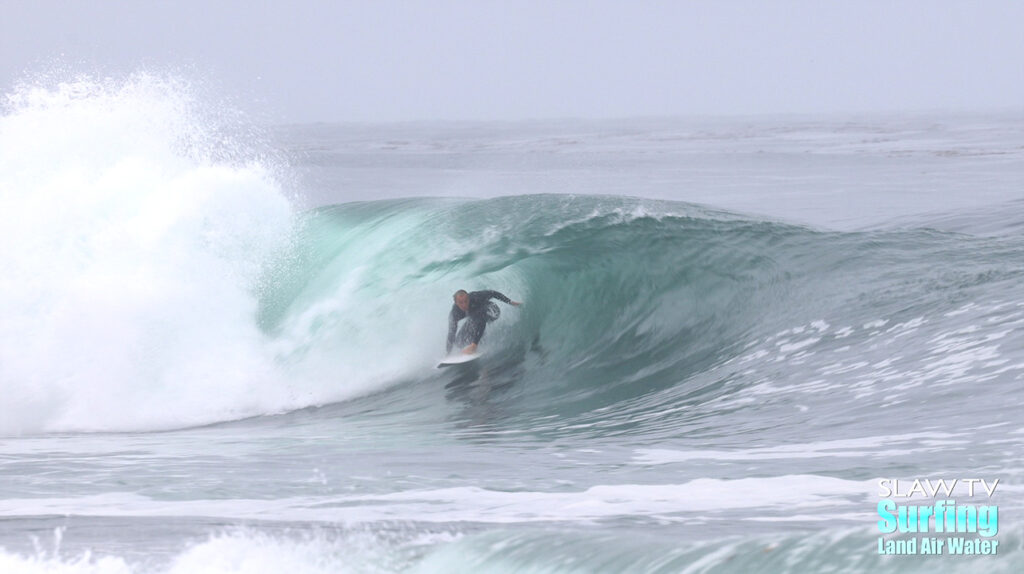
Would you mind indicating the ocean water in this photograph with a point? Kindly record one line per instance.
(218, 339)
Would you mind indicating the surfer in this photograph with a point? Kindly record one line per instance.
(480, 310)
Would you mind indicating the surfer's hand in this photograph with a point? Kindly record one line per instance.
(515, 303)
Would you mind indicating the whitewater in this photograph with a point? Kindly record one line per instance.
(218, 338)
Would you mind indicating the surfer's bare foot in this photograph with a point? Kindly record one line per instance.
(470, 349)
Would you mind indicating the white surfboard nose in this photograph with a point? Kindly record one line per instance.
(458, 359)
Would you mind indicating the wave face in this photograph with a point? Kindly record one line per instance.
(611, 284)
(637, 308)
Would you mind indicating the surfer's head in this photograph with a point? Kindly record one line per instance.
(461, 299)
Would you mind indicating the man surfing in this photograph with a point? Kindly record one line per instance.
(478, 310)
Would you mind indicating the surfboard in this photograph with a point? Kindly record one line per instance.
(458, 359)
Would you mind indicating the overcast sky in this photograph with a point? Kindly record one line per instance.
(378, 60)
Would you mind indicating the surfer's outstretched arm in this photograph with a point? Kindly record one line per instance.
(491, 294)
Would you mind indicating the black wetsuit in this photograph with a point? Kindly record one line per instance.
(481, 311)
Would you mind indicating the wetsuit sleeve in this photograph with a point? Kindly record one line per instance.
(496, 295)
(453, 325)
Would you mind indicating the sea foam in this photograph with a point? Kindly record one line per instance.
(133, 236)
